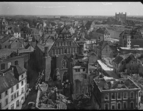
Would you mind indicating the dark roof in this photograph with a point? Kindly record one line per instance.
(20, 70)
(7, 81)
(137, 42)
(5, 38)
(129, 58)
(118, 59)
(94, 35)
(88, 25)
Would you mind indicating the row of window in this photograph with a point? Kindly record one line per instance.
(17, 104)
(78, 70)
(13, 96)
(3, 65)
(63, 44)
(17, 87)
(120, 95)
(118, 106)
(64, 51)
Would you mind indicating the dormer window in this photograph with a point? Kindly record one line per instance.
(2, 66)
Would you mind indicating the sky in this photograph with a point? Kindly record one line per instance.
(70, 8)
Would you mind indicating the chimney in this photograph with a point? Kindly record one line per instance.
(129, 41)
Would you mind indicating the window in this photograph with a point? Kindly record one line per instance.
(22, 83)
(12, 106)
(125, 95)
(21, 76)
(2, 66)
(16, 62)
(83, 69)
(119, 105)
(12, 90)
(132, 105)
(113, 106)
(106, 97)
(17, 86)
(77, 70)
(17, 94)
(22, 91)
(17, 103)
(119, 95)
(132, 95)
(124, 105)
(6, 101)
(12, 97)
(65, 51)
(106, 106)
(64, 64)
(6, 92)
(113, 96)
(0, 96)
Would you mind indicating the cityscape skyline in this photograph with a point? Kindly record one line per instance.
(71, 8)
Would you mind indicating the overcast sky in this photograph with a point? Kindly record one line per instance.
(70, 8)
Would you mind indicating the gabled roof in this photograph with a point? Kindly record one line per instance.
(5, 38)
(7, 81)
(103, 44)
(118, 59)
(20, 70)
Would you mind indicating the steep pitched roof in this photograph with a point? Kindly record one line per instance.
(20, 70)
(7, 81)
(5, 38)
(118, 59)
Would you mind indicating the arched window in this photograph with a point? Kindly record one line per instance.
(64, 63)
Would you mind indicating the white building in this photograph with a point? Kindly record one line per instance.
(12, 90)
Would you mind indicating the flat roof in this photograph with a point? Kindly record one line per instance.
(105, 83)
(127, 48)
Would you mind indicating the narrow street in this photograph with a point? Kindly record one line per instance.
(33, 93)
(32, 76)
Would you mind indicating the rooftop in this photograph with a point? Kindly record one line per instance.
(110, 83)
(127, 48)
(7, 81)
(104, 66)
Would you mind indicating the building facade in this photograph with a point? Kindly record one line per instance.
(14, 82)
(113, 94)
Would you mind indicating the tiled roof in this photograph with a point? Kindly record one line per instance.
(7, 81)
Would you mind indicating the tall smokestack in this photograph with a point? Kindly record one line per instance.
(129, 41)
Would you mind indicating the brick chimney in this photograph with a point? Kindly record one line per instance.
(129, 41)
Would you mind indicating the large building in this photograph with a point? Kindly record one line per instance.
(120, 17)
(13, 80)
(115, 94)
(57, 53)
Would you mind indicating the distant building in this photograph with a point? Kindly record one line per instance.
(115, 94)
(120, 17)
